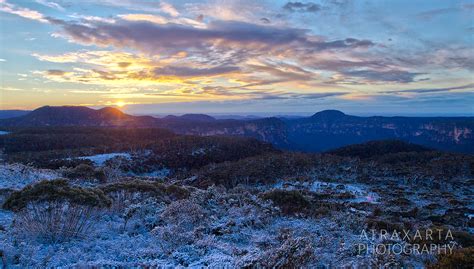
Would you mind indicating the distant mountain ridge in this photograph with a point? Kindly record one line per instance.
(5, 114)
(322, 131)
(77, 116)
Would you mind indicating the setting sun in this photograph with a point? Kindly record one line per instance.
(120, 103)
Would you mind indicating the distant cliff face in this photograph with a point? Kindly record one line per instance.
(332, 129)
(323, 131)
(270, 130)
(326, 131)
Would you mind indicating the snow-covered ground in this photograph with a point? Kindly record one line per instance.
(16, 176)
(100, 159)
(216, 228)
(227, 235)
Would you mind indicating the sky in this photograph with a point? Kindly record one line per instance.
(380, 57)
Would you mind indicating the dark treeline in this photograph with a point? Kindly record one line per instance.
(59, 138)
(153, 148)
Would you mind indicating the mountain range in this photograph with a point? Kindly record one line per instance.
(322, 131)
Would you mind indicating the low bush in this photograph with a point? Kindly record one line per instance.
(381, 224)
(54, 211)
(293, 252)
(260, 169)
(142, 216)
(459, 259)
(85, 171)
(400, 201)
(433, 206)
(55, 191)
(182, 219)
(465, 239)
(143, 186)
(290, 202)
(444, 235)
(126, 191)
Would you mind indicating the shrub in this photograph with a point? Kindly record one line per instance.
(134, 186)
(53, 162)
(292, 253)
(377, 212)
(54, 211)
(140, 200)
(380, 224)
(264, 169)
(55, 191)
(460, 259)
(4, 194)
(464, 239)
(145, 186)
(124, 191)
(408, 214)
(182, 218)
(433, 206)
(310, 204)
(85, 171)
(290, 202)
(143, 216)
(184, 213)
(344, 195)
(176, 192)
(400, 201)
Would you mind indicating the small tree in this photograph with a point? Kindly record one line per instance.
(54, 211)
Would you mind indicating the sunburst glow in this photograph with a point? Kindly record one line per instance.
(120, 103)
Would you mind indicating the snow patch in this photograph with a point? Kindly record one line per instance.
(100, 159)
(17, 176)
(162, 173)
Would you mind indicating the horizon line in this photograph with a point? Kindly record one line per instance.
(260, 114)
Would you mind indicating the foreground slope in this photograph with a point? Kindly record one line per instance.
(257, 208)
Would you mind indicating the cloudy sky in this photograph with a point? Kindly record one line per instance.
(382, 57)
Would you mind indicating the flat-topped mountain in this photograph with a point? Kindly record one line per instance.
(328, 114)
(322, 131)
(190, 117)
